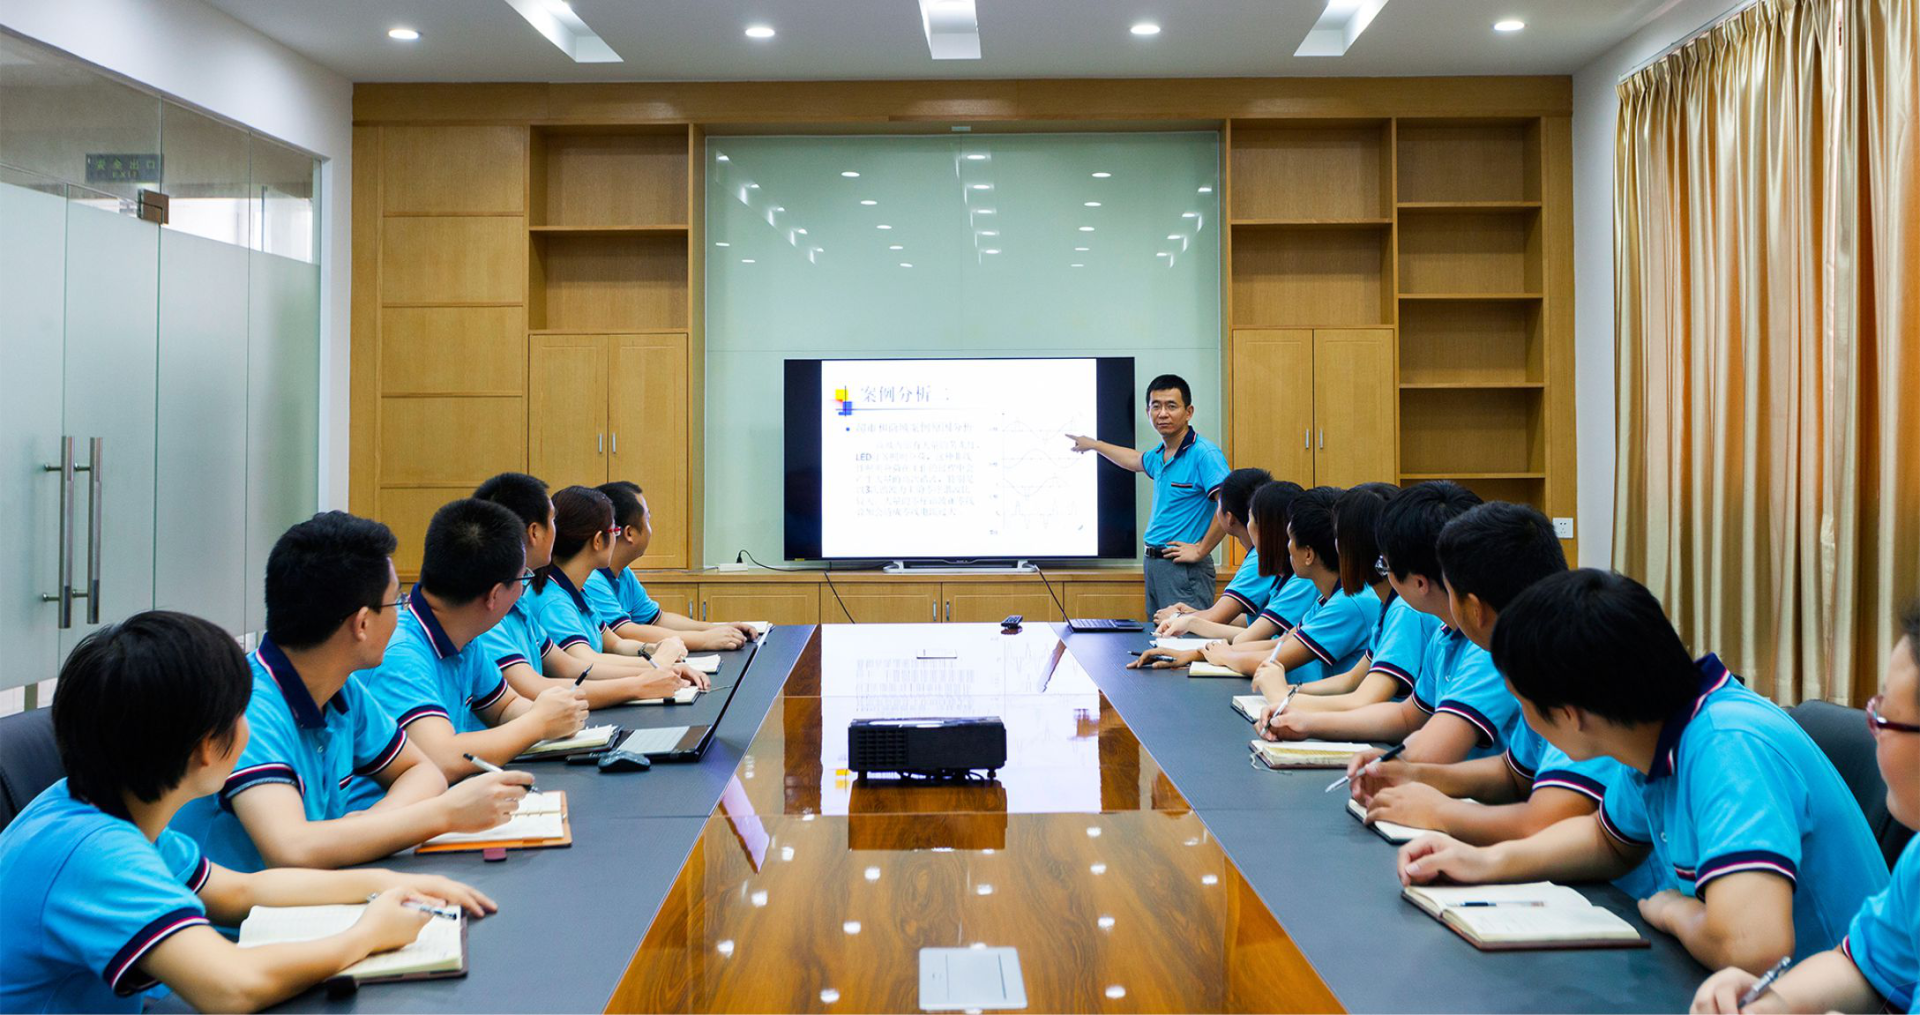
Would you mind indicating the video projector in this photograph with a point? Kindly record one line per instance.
(941, 748)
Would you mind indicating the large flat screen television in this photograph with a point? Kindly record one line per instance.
(957, 460)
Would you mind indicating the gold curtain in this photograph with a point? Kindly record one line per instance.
(1768, 469)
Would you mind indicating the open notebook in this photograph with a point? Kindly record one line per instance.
(1388, 830)
(1305, 753)
(440, 951)
(684, 696)
(1510, 917)
(540, 821)
(708, 664)
(592, 738)
(1250, 705)
(1186, 644)
(1202, 668)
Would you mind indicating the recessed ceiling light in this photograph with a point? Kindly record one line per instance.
(723, 243)
(989, 232)
(1086, 229)
(561, 25)
(952, 28)
(869, 202)
(976, 157)
(1146, 28)
(896, 247)
(906, 264)
(983, 211)
(1509, 25)
(991, 250)
(1101, 176)
(1206, 190)
(883, 227)
(403, 34)
(848, 173)
(746, 260)
(983, 186)
(1082, 249)
(1093, 204)
(759, 31)
(1076, 265)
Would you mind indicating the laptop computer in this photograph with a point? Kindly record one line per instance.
(681, 743)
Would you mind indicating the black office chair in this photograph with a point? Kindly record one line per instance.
(29, 760)
(1842, 734)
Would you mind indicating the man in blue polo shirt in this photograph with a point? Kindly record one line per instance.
(1877, 966)
(1249, 591)
(1181, 528)
(452, 700)
(1725, 791)
(330, 593)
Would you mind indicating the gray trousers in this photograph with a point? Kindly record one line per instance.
(1169, 583)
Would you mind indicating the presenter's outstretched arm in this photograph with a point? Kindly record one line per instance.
(1126, 458)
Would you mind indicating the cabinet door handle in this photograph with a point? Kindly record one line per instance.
(933, 608)
(949, 611)
(689, 607)
(599, 444)
(1323, 440)
(703, 611)
(615, 442)
(1306, 439)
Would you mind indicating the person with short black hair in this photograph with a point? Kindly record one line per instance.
(1772, 854)
(522, 650)
(1249, 591)
(621, 602)
(1443, 719)
(1186, 469)
(1877, 965)
(331, 601)
(103, 902)
(446, 694)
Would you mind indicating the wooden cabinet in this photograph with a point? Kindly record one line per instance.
(1120, 600)
(587, 393)
(992, 602)
(1315, 406)
(682, 597)
(782, 603)
(880, 603)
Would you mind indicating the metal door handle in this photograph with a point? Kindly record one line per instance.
(616, 442)
(949, 611)
(1323, 439)
(599, 444)
(934, 608)
(1306, 440)
(703, 611)
(689, 607)
(95, 512)
(63, 589)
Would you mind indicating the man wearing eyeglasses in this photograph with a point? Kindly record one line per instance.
(1878, 963)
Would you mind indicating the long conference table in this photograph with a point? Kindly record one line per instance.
(1128, 850)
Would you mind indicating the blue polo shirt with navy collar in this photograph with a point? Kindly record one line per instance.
(1736, 785)
(1183, 489)
(1400, 639)
(1289, 604)
(1884, 939)
(564, 612)
(87, 897)
(425, 674)
(1458, 677)
(618, 598)
(317, 749)
(517, 639)
(1251, 589)
(1335, 630)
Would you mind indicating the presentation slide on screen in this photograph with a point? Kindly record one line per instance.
(957, 458)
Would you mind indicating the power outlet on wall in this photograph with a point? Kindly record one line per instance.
(1563, 527)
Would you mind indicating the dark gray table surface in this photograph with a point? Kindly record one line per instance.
(1331, 882)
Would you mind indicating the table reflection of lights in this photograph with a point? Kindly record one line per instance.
(810, 891)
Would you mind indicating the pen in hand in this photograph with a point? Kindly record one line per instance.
(1292, 689)
(1764, 983)
(1392, 753)
(487, 766)
(444, 914)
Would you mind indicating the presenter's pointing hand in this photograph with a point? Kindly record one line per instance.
(1081, 445)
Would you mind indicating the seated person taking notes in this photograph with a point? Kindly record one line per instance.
(1287, 597)
(1772, 854)
(622, 602)
(331, 609)
(1181, 528)
(1451, 672)
(1248, 591)
(103, 902)
(519, 647)
(1877, 965)
(447, 695)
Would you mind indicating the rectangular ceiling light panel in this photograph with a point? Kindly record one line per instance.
(952, 27)
(1339, 25)
(556, 20)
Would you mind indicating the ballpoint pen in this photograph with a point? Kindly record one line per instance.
(1764, 983)
(1392, 753)
(487, 766)
(444, 914)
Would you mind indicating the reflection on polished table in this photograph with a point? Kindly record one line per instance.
(809, 890)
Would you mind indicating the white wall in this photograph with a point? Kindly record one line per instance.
(205, 58)
(1596, 108)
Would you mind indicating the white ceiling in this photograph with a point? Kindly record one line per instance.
(661, 40)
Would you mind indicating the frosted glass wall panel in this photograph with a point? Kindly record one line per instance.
(283, 411)
(207, 175)
(56, 111)
(286, 188)
(1005, 245)
(200, 492)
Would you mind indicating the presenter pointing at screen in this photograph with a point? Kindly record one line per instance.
(1186, 468)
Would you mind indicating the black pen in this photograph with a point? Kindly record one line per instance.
(1392, 753)
(488, 766)
(577, 681)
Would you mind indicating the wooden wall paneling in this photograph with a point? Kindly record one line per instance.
(1353, 407)
(614, 179)
(445, 350)
(454, 170)
(451, 260)
(992, 602)
(1451, 432)
(1120, 600)
(567, 404)
(460, 440)
(623, 282)
(1310, 277)
(1563, 473)
(1273, 383)
(904, 602)
(363, 417)
(1303, 171)
(647, 421)
(696, 344)
(793, 603)
(406, 510)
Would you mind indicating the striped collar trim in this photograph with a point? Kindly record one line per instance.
(443, 646)
(1666, 753)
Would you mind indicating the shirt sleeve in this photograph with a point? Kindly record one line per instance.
(1744, 803)
(1884, 939)
(1589, 778)
(377, 739)
(603, 602)
(1213, 470)
(1476, 692)
(1623, 814)
(184, 860)
(563, 623)
(642, 609)
(272, 746)
(406, 686)
(1400, 646)
(501, 648)
(116, 898)
(1249, 587)
(486, 685)
(1524, 749)
(1337, 631)
(1151, 463)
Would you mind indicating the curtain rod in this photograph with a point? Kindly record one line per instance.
(1712, 23)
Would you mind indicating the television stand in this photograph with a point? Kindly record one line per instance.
(960, 567)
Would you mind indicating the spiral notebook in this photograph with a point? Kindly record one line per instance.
(438, 953)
